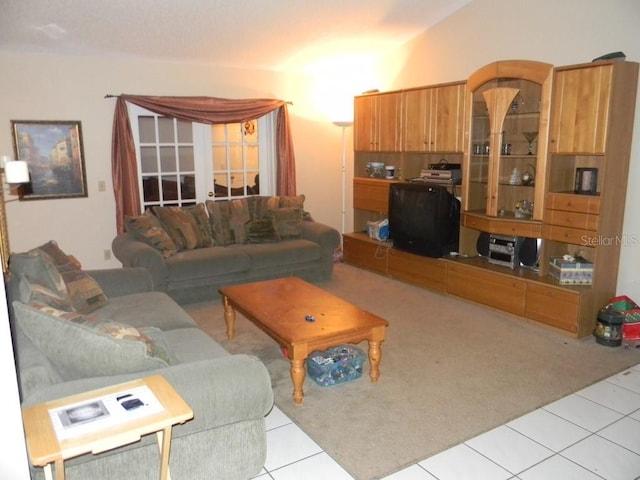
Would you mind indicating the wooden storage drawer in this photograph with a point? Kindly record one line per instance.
(553, 306)
(573, 203)
(574, 236)
(371, 194)
(365, 253)
(493, 289)
(423, 271)
(571, 219)
(502, 226)
(515, 228)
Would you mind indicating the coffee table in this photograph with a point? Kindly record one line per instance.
(302, 318)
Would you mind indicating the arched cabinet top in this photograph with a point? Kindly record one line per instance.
(537, 72)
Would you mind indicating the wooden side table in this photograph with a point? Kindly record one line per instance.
(45, 447)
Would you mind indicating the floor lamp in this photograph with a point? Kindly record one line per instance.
(15, 172)
(344, 125)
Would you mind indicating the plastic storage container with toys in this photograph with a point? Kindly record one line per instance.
(335, 365)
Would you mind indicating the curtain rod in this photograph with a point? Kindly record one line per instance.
(109, 95)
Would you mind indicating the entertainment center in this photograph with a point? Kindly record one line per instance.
(545, 155)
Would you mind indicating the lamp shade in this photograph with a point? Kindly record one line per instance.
(16, 171)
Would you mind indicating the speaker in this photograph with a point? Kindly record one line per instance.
(528, 251)
(482, 244)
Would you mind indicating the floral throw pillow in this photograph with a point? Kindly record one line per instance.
(147, 228)
(287, 222)
(85, 294)
(61, 260)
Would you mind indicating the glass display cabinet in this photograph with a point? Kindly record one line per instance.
(505, 159)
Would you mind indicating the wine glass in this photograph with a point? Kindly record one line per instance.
(530, 136)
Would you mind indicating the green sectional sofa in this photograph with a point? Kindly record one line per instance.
(76, 331)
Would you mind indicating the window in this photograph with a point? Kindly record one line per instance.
(166, 161)
(182, 163)
(236, 159)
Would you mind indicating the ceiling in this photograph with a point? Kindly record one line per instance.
(271, 34)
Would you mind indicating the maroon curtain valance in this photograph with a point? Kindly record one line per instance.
(207, 110)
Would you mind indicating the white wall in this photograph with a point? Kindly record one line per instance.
(558, 32)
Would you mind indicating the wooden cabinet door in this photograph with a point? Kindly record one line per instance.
(388, 122)
(433, 119)
(580, 109)
(416, 119)
(365, 117)
(377, 123)
(447, 119)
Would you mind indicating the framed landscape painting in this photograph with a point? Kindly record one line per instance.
(53, 150)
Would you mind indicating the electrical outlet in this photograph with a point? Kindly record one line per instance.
(101, 186)
(107, 254)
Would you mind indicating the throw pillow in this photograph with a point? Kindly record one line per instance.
(287, 222)
(292, 201)
(147, 228)
(61, 260)
(220, 220)
(180, 225)
(260, 206)
(199, 214)
(82, 347)
(35, 293)
(239, 217)
(38, 267)
(261, 231)
(85, 294)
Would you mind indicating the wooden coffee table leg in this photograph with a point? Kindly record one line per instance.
(229, 318)
(375, 354)
(297, 376)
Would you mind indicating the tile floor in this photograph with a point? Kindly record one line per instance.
(593, 434)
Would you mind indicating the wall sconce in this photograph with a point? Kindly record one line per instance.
(15, 172)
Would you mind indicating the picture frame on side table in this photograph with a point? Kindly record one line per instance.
(55, 155)
(586, 181)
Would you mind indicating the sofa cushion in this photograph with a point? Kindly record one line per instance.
(33, 292)
(180, 225)
(152, 309)
(38, 267)
(193, 344)
(147, 228)
(240, 216)
(262, 230)
(287, 222)
(292, 201)
(199, 214)
(207, 262)
(288, 252)
(61, 260)
(220, 220)
(85, 294)
(79, 345)
(259, 206)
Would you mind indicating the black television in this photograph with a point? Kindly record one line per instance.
(424, 219)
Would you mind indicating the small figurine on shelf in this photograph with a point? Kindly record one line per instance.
(524, 209)
(529, 176)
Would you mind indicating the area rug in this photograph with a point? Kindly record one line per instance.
(450, 370)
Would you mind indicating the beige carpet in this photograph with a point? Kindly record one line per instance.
(450, 370)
